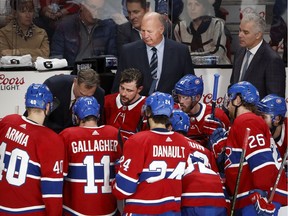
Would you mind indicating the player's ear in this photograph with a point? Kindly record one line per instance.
(237, 101)
(139, 89)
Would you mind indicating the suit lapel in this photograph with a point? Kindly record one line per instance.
(255, 61)
(167, 55)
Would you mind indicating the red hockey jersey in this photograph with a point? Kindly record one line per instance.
(259, 168)
(282, 143)
(195, 131)
(151, 171)
(91, 154)
(202, 184)
(126, 118)
(31, 162)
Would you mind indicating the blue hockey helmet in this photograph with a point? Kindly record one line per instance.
(86, 106)
(273, 104)
(160, 104)
(248, 92)
(180, 121)
(38, 96)
(189, 85)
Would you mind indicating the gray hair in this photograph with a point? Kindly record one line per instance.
(259, 22)
(89, 77)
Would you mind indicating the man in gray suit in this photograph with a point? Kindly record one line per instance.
(264, 68)
(130, 31)
(174, 60)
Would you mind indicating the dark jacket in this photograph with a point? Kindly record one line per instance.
(61, 117)
(67, 38)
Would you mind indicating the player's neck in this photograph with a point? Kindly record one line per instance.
(88, 124)
(277, 132)
(36, 118)
(154, 125)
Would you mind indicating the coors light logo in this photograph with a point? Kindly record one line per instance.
(207, 99)
(12, 83)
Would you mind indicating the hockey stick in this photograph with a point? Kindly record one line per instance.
(242, 158)
(214, 96)
(278, 177)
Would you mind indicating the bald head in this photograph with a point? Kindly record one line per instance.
(152, 28)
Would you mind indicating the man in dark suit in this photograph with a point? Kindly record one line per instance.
(173, 58)
(130, 31)
(67, 88)
(265, 68)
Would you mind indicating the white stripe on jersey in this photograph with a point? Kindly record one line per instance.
(18, 210)
(171, 198)
(79, 214)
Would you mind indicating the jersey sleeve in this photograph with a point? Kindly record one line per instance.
(131, 165)
(51, 155)
(258, 154)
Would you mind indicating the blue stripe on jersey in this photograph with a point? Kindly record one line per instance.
(260, 158)
(156, 202)
(32, 170)
(51, 187)
(80, 172)
(125, 183)
(24, 210)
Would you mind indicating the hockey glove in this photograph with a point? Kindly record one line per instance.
(259, 200)
(217, 141)
(211, 124)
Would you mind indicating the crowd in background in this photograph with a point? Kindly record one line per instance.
(198, 24)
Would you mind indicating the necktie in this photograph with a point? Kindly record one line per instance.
(153, 70)
(248, 53)
(154, 63)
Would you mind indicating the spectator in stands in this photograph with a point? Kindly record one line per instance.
(204, 34)
(21, 36)
(52, 11)
(84, 34)
(131, 31)
(67, 88)
(278, 30)
(265, 68)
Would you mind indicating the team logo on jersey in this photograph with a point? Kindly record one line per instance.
(23, 126)
(95, 133)
(278, 101)
(168, 139)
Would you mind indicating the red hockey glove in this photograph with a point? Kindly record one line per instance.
(262, 207)
(210, 124)
(217, 141)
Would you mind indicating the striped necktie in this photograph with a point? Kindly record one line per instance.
(154, 63)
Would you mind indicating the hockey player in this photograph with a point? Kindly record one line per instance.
(91, 153)
(123, 110)
(188, 92)
(259, 171)
(202, 192)
(153, 163)
(31, 158)
(273, 109)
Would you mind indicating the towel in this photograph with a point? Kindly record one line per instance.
(17, 61)
(42, 64)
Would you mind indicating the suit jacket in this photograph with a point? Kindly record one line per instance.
(126, 34)
(176, 63)
(266, 71)
(61, 117)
